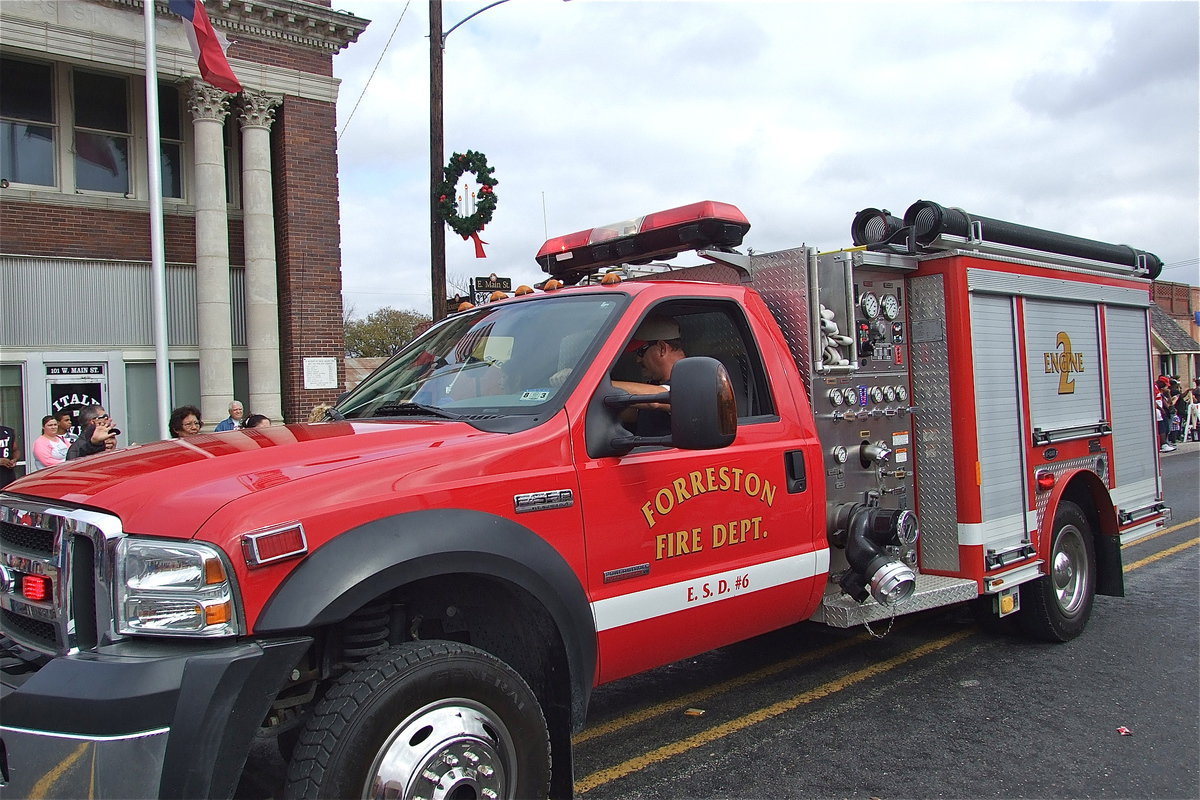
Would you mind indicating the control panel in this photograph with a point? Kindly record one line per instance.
(860, 378)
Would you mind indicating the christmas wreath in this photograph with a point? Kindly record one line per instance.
(485, 200)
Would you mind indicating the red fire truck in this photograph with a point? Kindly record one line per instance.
(416, 597)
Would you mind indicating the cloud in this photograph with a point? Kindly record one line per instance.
(1079, 117)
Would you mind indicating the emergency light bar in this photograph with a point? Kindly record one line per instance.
(662, 235)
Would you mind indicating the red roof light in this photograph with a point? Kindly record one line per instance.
(663, 234)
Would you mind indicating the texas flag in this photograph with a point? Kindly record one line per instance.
(208, 46)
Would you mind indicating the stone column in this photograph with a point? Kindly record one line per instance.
(262, 289)
(209, 107)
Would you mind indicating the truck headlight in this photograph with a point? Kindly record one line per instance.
(173, 589)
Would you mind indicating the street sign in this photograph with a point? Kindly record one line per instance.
(493, 284)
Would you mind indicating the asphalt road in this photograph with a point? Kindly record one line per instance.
(939, 708)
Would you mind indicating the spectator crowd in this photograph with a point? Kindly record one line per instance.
(1177, 411)
(98, 432)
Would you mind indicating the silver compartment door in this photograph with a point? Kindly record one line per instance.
(1000, 431)
(1134, 436)
(1061, 399)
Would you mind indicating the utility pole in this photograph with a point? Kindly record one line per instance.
(437, 227)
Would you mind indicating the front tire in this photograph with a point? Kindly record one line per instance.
(424, 719)
(1056, 607)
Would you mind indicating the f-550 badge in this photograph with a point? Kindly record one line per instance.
(543, 501)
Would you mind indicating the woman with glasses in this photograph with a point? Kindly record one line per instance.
(185, 421)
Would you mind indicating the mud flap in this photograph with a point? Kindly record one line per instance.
(1110, 572)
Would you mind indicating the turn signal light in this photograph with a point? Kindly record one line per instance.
(1045, 481)
(35, 587)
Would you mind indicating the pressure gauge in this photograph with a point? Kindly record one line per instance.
(907, 528)
(876, 394)
(835, 397)
(890, 306)
(901, 393)
(869, 303)
(839, 454)
(851, 396)
(889, 393)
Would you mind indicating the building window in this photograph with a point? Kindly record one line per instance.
(102, 132)
(27, 123)
(231, 137)
(170, 131)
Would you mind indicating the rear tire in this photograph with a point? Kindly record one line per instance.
(430, 719)
(1056, 607)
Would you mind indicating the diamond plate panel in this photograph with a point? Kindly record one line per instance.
(1097, 463)
(782, 280)
(933, 591)
(933, 422)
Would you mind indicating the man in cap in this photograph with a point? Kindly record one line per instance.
(657, 345)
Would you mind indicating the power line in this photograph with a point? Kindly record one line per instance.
(376, 67)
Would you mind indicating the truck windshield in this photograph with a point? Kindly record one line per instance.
(493, 361)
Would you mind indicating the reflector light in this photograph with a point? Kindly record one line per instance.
(218, 614)
(663, 234)
(35, 587)
(1045, 481)
(274, 545)
(214, 571)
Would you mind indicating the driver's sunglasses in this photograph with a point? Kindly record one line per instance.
(641, 351)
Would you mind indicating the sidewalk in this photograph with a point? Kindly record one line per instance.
(1180, 448)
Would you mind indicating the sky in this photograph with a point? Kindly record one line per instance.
(1076, 117)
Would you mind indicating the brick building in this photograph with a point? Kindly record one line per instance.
(250, 201)
(1175, 329)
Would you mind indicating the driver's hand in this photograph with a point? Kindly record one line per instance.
(559, 378)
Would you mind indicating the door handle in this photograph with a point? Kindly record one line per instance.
(797, 472)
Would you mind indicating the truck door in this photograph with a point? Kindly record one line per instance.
(690, 550)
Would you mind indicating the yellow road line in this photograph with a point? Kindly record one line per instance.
(46, 783)
(657, 710)
(1163, 532)
(1170, 551)
(761, 715)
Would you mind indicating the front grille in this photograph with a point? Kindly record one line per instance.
(17, 537)
(73, 549)
(39, 635)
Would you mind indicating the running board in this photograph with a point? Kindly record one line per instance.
(933, 591)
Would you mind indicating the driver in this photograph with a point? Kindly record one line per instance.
(657, 345)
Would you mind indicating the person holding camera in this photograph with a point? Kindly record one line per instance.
(98, 429)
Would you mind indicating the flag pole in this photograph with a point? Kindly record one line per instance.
(158, 266)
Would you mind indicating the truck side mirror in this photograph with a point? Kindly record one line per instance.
(703, 412)
(703, 408)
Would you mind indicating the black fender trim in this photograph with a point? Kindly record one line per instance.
(372, 559)
(212, 696)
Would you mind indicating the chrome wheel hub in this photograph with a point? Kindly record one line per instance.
(454, 749)
(1068, 570)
